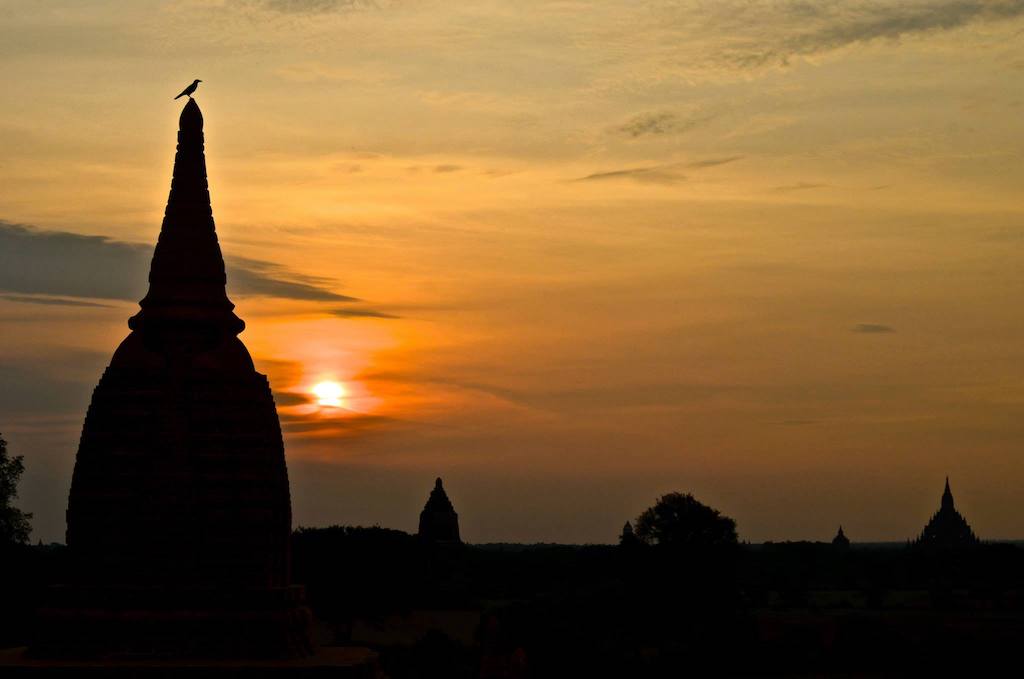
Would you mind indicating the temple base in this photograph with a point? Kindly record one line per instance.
(330, 661)
(170, 623)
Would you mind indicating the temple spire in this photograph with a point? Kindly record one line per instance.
(187, 278)
(947, 497)
(947, 528)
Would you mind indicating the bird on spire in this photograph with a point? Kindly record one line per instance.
(190, 89)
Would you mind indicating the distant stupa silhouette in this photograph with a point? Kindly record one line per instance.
(438, 521)
(947, 529)
(840, 540)
(179, 516)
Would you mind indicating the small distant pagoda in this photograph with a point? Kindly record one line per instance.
(840, 541)
(628, 536)
(947, 529)
(438, 521)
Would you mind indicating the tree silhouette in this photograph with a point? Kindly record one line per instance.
(14, 525)
(678, 520)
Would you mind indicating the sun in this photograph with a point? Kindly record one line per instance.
(329, 394)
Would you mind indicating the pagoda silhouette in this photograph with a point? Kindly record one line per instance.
(179, 515)
(438, 521)
(947, 529)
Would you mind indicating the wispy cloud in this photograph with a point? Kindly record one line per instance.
(764, 33)
(799, 186)
(872, 328)
(70, 265)
(654, 174)
(51, 301)
(357, 312)
(291, 398)
(256, 277)
(665, 122)
(316, 6)
(713, 162)
(668, 173)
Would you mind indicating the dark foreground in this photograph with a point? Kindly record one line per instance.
(563, 611)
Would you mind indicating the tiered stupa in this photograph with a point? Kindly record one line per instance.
(840, 541)
(947, 528)
(179, 518)
(438, 521)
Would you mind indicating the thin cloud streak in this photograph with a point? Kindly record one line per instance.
(873, 328)
(656, 174)
(668, 173)
(362, 313)
(52, 301)
(800, 186)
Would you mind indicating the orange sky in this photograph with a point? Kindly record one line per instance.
(767, 252)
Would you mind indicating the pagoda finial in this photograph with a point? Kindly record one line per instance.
(187, 278)
(947, 496)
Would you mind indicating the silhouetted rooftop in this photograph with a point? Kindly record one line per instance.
(947, 529)
(438, 521)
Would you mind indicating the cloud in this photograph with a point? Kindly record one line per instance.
(654, 174)
(256, 277)
(663, 123)
(51, 301)
(63, 264)
(291, 398)
(871, 328)
(800, 186)
(764, 33)
(447, 168)
(349, 425)
(713, 162)
(316, 6)
(657, 174)
(362, 313)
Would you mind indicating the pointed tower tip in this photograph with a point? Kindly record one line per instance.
(187, 276)
(437, 483)
(947, 496)
(191, 117)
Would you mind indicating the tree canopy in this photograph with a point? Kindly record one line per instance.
(679, 520)
(14, 523)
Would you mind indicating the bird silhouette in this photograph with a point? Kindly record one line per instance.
(190, 89)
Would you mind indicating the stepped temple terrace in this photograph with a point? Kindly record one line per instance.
(179, 516)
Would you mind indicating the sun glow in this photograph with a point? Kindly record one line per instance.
(329, 394)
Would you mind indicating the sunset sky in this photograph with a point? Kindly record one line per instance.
(567, 255)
